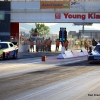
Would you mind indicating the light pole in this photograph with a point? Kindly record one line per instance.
(83, 31)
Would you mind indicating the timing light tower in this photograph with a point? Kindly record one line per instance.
(62, 39)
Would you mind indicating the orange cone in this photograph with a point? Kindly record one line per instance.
(43, 58)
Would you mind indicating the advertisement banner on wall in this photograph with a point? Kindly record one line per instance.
(94, 5)
(55, 4)
(78, 17)
(56, 17)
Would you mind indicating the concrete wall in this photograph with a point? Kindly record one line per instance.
(24, 48)
(25, 5)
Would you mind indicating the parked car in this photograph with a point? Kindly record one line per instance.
(8, 50)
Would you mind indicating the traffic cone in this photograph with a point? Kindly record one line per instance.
(43, 58)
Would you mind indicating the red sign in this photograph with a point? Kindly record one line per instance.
(75, 16)
(82, 16)
(57, 15)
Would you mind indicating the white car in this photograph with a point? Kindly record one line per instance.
(8, 50)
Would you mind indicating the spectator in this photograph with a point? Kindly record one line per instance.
(31, 46)
(66, 44)
(81, 43)
(86, 46)
(94, 43)
(49, 44)
(76, 44)
(37, 45)
(57, 44)
(43, 45)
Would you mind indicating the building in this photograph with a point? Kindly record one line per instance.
(5, 8)
(73, 35)
(90, 34)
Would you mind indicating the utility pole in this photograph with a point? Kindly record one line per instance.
(83, 31)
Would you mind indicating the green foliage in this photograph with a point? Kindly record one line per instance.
(32, 31)
(41, 28)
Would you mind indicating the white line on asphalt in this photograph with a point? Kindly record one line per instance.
(9, 66)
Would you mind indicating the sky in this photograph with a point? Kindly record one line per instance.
(55, 27)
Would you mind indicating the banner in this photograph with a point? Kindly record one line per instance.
(78, 17)
(54, 4)
(91, 5)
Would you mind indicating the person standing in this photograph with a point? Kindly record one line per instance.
(49, 44)
(43, 45)
(66, 44)
(31, 46)
(86, 45)
(57, 44)
(80, 43)
(37, 45)
(76, 43)
(94, 42)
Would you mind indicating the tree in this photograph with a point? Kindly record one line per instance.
(41, 28)
(31, 31)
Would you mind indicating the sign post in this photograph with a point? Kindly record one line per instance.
(63, 48)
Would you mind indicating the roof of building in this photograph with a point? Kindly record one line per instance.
(89, 30)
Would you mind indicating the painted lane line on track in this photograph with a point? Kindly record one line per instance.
(23, 64)
(19, 60)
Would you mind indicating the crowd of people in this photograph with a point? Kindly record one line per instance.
(45, 44)
(41, 45)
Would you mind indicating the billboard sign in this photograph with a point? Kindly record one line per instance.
(80, 16)
(56, 17)
(91, 5)
(54, 4)
(77, 5)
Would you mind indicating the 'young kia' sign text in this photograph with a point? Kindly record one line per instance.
(82, 16)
